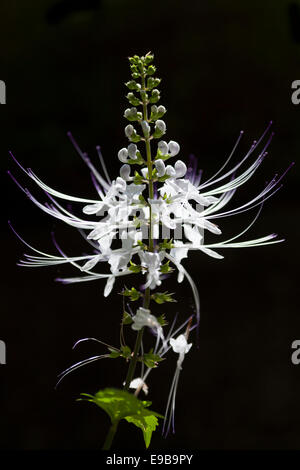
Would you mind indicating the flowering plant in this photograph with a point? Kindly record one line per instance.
(146, 222)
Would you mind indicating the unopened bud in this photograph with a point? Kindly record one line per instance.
(123, 155)
(148, 59)
(132, 149)
(180, 169)
(170, 171)
(160, 167)
(163, 147)
(174, 148)
(155, 96)
(161, 126)
(129, 130)
(160, 129)
(161, 110)
(146, 128)
(125, 172)
(151, 70)
(132, 114)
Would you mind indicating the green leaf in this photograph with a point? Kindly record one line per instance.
(120, 404)
(146, 422)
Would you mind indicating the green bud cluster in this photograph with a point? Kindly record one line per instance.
(143, 91)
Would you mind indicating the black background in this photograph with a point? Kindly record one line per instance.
(225, 66)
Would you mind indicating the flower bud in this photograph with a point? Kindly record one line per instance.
(161, 110)
(132, 114)
(180, 169)
(161, 126)
(170, 171)
(160, 167)
(151, 70)
(160, 129)
(125, 172)
(132, 148)
(133, 99)
(155, 96)
(132, 85)
(174, 148)
(146, 128)
(148, 59)
(129, 130)
(153, 82)
(163, 147)
(123, 155)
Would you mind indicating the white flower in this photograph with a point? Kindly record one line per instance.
(151, 263)
(139, 384)
(143, 318)
(180, 345)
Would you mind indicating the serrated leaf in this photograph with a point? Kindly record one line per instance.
(120, 404)
(147, 423)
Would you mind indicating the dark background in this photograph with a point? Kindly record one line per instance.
(225, 66)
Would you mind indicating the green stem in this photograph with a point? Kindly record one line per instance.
(133, 362)
(132, 366)
(134, 359)
(110, 435)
